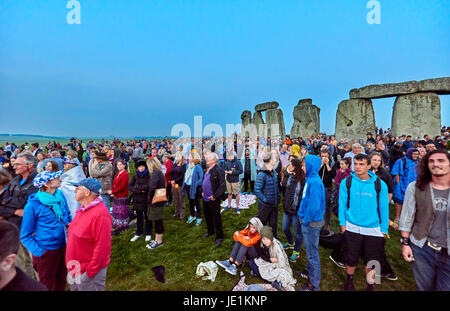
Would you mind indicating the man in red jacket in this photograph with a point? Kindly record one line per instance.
(88, 249)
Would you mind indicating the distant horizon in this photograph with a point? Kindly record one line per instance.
(145, 66)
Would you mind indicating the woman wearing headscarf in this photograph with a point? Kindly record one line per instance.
(43, 231)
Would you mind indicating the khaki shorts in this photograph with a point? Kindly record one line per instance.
(233, 188)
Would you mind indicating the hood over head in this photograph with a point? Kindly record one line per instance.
(312, 165)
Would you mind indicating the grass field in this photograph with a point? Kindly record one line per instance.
(184, 248)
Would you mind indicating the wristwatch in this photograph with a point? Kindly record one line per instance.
(404, 241)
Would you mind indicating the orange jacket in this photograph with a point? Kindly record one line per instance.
(254, 238)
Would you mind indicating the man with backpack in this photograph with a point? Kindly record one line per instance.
(363, 217)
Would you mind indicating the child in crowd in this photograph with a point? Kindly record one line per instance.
(272, 264)
(245, 246)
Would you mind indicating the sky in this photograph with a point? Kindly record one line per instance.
(138, 68)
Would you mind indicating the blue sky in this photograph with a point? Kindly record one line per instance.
(135, 68)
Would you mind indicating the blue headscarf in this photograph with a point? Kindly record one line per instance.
(410, 152)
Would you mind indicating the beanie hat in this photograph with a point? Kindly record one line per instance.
(266, 232)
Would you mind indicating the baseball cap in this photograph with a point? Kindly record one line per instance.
(42, 178)
(91, 184)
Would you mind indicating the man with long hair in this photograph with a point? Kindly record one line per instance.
(425, 223)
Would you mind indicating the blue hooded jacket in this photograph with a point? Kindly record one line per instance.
(363, 210)
(312, 206)
(40, 229)
(407, 174)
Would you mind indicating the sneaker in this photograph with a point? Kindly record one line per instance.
(135, 238)
(337, 263)
(218, 242)
(238, 211)
(389, 276)
(232, 269)
(224, 263)
(303, 274)
(198, 222)
(251, 193)
(154, 245)
(225, 209)
(252, 273)
(190, 219)
(306, 288)
(148, 238)
(370, 287)
(294, 256)
(288, 245)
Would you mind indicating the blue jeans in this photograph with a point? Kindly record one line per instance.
(431, 269)
(105, 198)
(311, 240)
(287, 221)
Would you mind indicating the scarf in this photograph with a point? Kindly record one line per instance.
(141, 174)
(56, 202)
(189, 171)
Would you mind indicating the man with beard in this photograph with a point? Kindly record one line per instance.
(425, 225)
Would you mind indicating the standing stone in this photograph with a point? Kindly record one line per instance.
(385, 90)
(306, 119)
(354, 119)
(248, 128)
(440, 86)
(275, 123)
(266, 106)
(416, 115)
(258, 121)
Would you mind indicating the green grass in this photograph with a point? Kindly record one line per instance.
(184, 249)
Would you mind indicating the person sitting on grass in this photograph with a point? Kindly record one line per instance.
(272, 264)
(245, 245)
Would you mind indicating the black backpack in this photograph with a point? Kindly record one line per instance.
(348, 183)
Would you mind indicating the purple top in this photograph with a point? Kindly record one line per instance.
(207, 187)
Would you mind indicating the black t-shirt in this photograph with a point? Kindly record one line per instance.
(22, 282)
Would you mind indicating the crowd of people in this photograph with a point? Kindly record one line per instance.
(60, 207)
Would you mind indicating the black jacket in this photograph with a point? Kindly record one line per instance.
(395, 153)
(156, 181)
(138, 187)
(236, 167)
(217, 178)
(15, 197)
(178, 178)
(288, 201)
(387, 178)
(327, 176)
